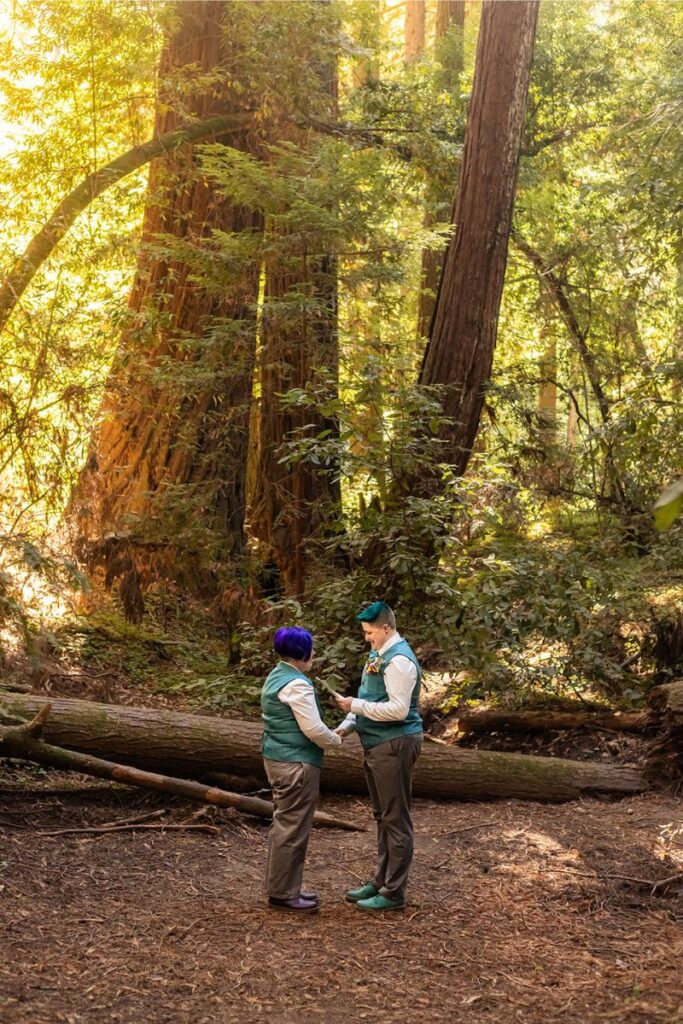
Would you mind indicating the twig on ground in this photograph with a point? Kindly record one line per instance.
(36, 791)
(164, 826)
(667, 881)
(653, 884)
(468, 828)
(133, 820)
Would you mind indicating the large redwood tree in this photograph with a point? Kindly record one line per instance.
(165, 477)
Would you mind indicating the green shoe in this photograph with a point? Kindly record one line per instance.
(363, 893)
(380, 903)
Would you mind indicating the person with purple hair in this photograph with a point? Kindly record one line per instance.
(294, 738)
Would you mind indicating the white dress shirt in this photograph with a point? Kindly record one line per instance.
(300, 697)
(400, 677)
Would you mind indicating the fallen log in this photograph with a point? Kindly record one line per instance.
(542, 721)
(23, 742)
(193, 745)
(664, 757)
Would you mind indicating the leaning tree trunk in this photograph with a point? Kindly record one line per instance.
(551, 281)
(192, 745)
(165, 474)
(44, 242)
(463, 336)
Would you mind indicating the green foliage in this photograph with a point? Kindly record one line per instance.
(668, 505)
(33, 582)
(536, 572)
(76, 90)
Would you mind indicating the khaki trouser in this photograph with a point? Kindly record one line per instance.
(389, 773)
(295, 788)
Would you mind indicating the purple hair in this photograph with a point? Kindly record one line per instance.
(293, 642)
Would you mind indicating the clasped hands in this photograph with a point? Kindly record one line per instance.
(345, 704)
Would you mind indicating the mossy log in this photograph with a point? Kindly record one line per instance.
(192, 745)
(541, 721)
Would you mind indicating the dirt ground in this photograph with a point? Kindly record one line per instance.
(518, 912)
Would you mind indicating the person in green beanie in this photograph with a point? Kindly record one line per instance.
(385, 714)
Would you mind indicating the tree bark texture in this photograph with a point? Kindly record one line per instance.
(666, 702)
(459, 354)
(449, 13)
(193, 745)
(169, 452)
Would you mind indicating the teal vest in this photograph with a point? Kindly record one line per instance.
(372, 688)
(283, 740)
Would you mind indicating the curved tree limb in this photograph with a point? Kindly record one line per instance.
(43, 243)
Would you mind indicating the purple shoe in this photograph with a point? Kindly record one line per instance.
(297, 904)
(310, 896)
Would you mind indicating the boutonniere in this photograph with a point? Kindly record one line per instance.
(374, 664)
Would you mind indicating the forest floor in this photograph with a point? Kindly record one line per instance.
(517, 912)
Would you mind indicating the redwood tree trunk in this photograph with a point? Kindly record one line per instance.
(414, 28)
(191, 745)
(293, 501)
(165, 474)
(459, 354)
(449, 13)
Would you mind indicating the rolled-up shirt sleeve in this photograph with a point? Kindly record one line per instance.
(348, 724)
(300, 697)
(400, 677)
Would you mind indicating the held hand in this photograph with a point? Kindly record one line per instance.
(344, 703)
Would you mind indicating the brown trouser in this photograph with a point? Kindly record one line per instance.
(389, 773)
(295, 788)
